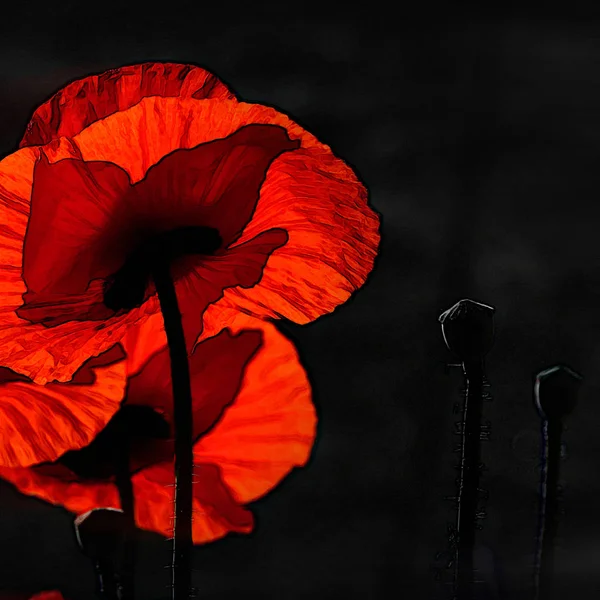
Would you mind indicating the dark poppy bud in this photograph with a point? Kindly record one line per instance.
(468, 329)
(556, 392)
(100, 532)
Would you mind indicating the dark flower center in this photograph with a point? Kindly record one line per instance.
(127, 287)
(132, 430)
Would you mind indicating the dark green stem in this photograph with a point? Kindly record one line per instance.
(182, 417)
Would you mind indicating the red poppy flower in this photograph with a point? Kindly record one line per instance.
(123, 160)
(253, 422)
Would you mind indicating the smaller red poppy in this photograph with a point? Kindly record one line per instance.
(253, 422)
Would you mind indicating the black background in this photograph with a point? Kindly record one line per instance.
(478, 137)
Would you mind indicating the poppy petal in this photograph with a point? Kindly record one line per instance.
(271, 426)
(310, 193)
(142, 342)
(216, 371)
(41, 353)
(332, 244)
(216, 512)
(87, 100)
(216, 184)
(204, 284)
(57, 485)
(40, 423)
(48, 354)
(71, 202)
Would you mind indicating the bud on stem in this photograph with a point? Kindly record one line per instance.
(468, 330)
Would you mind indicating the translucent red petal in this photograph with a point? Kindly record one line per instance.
(39, 423)
(87, 100)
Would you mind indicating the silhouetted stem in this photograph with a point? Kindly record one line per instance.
(469, 477)
(106, 583)
(551, 455)
(125, 487)
(182, 417)
(555, 394)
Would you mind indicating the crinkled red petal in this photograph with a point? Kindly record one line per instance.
(87, 100)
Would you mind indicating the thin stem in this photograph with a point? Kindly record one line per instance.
(544, 567)
(182, 416)
(106, 584)
(125, 487)
(469, 478)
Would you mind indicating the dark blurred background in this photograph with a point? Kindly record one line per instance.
(479, 139)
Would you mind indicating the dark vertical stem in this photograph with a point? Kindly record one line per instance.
(555, 394)
(551, 454)
(469, 477)
(182, 416)
(106, 582)
(125, 487)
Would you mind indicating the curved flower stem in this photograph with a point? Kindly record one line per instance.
(182, 417)
(125, 488)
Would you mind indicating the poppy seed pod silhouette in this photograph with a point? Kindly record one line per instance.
(115, 169)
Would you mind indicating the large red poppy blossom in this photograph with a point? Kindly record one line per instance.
(253, 422)
(115, 161)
